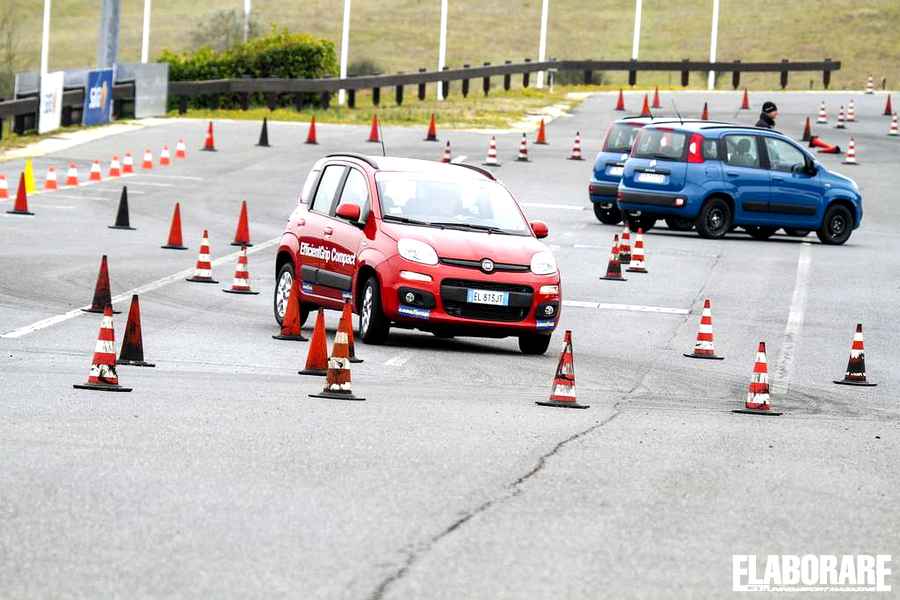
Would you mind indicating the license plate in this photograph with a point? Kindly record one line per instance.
(651, 177)
(614, 171)
(487, 297)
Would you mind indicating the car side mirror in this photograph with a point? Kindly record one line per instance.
(811, 168)
(540, 229)
(349, 212)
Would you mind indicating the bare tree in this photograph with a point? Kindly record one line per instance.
(9, 46)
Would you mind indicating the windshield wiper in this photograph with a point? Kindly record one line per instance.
(407, 221)
(487, 228)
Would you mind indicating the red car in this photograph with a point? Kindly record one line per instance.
(422, 245)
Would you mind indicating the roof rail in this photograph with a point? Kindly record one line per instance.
(736, 126)
(366, 159)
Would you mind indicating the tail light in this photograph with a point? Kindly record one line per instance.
(695, 149)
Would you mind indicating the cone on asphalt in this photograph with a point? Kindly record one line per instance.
(180, 150)
(317, 357)
(850, 159)
(337, 375)
(95, 174)
(311, 136)
(128, 163)
(445, 156)
(656, 103)
(704, 116)
(840, 119)
(856, 365)
(50, 181)
(563, 392)
(30, 185)
(264, 134)
(620, 103)
(346, 323)
(807, 131)
(147, 163)
(523, 150)
(851, 111)
(431, 134)
(638, 260)
(242, 233)
(373, 130)
(165, 159)
(132, 352)
(705, 347)
(209, 144)
(72, 175)
(291, 330)
(823, 147)
(625, 246)
(175, 241)
(103, 376)
(203, 268)
(576, 148)
(870, 85)
(492, 160)
(757, 402)
(745, 102)
(614, 267)
(122, 218)
(541, 134)
(241, 282)
(115, 168)
(888, 108)
(894, 129)
(823, 116)
(4, 187)
(645, 109)
(21, 205)
(102, 294)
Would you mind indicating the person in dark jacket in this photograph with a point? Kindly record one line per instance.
(767, 116)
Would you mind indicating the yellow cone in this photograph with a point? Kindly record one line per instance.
(30, 187)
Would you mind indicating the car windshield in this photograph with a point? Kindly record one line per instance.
(620, 138)
(465, 202)
(662, 144)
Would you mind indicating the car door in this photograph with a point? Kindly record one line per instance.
(314, 237)
(347, 237)
(746, 178)
(796, 194)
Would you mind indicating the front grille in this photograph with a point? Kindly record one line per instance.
(476, 264)
(454, 295)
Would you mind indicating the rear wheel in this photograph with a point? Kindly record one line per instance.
(609, 216)
(645, 222)
(715, 219)
(679, 223)
(797, 232)
(760, 233)
(373, 325)
(534, 344)
(836, 227)
(283, 293)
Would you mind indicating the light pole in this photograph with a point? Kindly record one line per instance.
(145, 34)
(345, 50)
(542, 45)
(442, 48)
(636, 41)
(713, 42)
(45, 39)
(247, 8)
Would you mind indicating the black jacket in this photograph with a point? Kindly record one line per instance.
(765, 121)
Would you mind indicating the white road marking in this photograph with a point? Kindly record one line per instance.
(588, 246)
(188, 177)
(785, 363)
(152, 184)
(126, 296)
(399, 360)
(548, 205)
(665, 310)
(71, 197)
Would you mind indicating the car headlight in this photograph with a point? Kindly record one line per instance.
(543, 263)
(417, 251)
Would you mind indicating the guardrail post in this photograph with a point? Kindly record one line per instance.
(376, 96)
(182, 104)
(65, 117)
(445, 89)
(486, 82)
(526, 76)
(422, 87)
(685, 73)
(632, 73)
(245, 100)
(351, 98)
(325, 99)
(465, 85)
(272, 101)
(588, 77)
(398, 92)
(507, 78)
(1, 129)
(298, 102)
(784, 73)
(736, 75)
(826, 74)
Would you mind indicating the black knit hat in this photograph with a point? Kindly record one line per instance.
(769, 107)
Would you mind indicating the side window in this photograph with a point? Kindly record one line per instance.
(742, 151)
(356, 191)
(328, 185)
(308, 186)
(711, 149)
(783, 156)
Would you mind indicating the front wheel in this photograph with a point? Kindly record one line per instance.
(373, 325)
(608, 216)
(836, 227)
(715, 219)
(760, 233)
(283, 285)
(679, 223)
(534, 344)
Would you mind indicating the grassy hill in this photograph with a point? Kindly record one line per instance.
(403, 34)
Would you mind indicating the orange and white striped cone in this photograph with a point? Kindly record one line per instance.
(638, 260)
(128, 163)
(870, 85)
(203, 269)
(625, 247)
(563, 392)
(165, 158)
(147, 163)
(614, 267)
(757, 402)
(850, 158)
(823, 116)
(115, 168)
(492, 160)
(96, 174)
(856, 366)
(103, 375)
(446, 156)
(4, 187)
(50, 182)
(523, 150)
(851, 111)
(180, 149)
(576, 148)
(894, 130)
(72, 175)
(840, 119)
(705, 347)
(337, 377)
(241, 282)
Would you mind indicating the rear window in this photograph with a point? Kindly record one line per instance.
(663, 144)
(620, 138)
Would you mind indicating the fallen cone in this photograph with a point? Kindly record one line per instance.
(337, 375)
(620, 103)
(21, 205)
(241, 282)
(122, 218)
(264, 134)
(209, 144)
(95, 174)
(614, 267)
(203, 268)
(523, 150)
(824, 148)
(431, 134)
(576, 148)
(164, 158)
(102, 295)
(856, 366)
(132, 352)
(175, 241)
(115, 169)
(311, 136)
(373, 131)
(346, 324)
(50, 182)
(180, 150)
(290, 324)
(563, 392)
(541, 134)
(102, 376)
(758, 391)
(72, 175)
(705, 347)
(638, 260)
(317, 357)
(492, 160)
(242, 233)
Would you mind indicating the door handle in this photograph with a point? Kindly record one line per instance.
(328, 231)
(732, 174)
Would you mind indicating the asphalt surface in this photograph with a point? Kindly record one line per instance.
(217, 477)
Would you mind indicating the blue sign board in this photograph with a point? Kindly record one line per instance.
(98, 97)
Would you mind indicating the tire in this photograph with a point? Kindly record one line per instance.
(797, 232)
(608, 216)
(760, 233)
(282, 291)
(836, 226)
(714, 220)
(373, 325)
(645, 222)
(679, 223)
(534, 344)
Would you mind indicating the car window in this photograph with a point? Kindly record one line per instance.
(711, 149)
(620, 138)
(783, 156)
(356, 191)
(741, 151)
(662, 144)
(308, 186)
(328, 185)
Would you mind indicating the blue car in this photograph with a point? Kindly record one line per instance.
(723, 176)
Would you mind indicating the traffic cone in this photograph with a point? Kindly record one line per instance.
(132, 352)
(4, 187)
(851, 111)
(209, 144)
(541, 134)
(373, 131)
(242, 233)
(164, 157)
(346, 324)
(825, 148)
(870, 85)
(614, 267)
(523, 150)
(823, 116)
(203, 268)
(115, 169)
(241, 282)
(102, 376)
(492, 160)
(704, 116)
(147, 163)
(21, 205)
(311, 137)
(264, 134)
(102, 295)
(625, 247)
(576, 148)
(894, 130)
(563, 392)
(180, 150)
(850, 159)
(317, 357)
(856, 366)
(840, 119)
(72, 175)
(337, 376)
(645, 110)
(445, 156)
(122, 218)
(620, 103)
(888, 109)
(128, 163)
(656, 103)
(95, 174)
(745, 102)
(30, 185)
(704, 347)
(807, 131)
(175, 241)
(50, 182)
(758, 391)
(637, 257)
(290, 323)
(431, 134)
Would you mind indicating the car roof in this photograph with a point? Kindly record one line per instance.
(657, 120)
(416, 165)
(713, 127)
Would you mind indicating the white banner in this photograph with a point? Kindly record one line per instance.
(51, 101)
